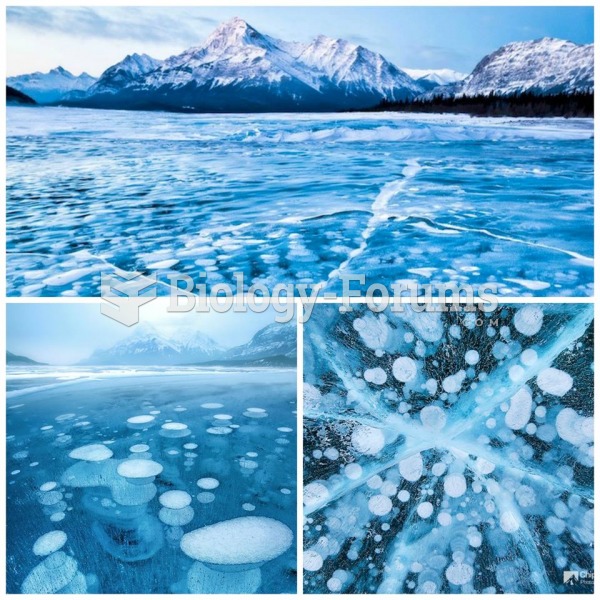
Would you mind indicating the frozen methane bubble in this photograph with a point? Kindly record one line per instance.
(472, 357)
(368, 440)
(455, 485)
(138, 468)
(376, 376)
(425, 510)
(459, 573)
(411, 468)
(91, 453)
(205, 497)
(554, 381)
(519, 412)
(175, 499)
(48, 486)
(314, 493)
(312, 560)
(528, 320)
(211, 405)
(380, 505)
(140, 419)
(433, 418)
(207, 483)
(219, 430)
(49, 542)
(404, 369)
(240, 541)
(137, 448)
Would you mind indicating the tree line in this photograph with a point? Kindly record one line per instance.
(527, 104)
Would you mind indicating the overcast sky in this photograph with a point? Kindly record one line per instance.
(92, 39)
(63, 334)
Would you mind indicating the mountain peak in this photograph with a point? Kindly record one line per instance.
(230, 33)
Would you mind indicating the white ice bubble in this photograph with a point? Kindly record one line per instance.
(376, 376)
(190, 446)
(49, 542)
(174, 426)
(207, 483)
(404, 369)
(554, 381)
(403, 495)
(455, 485)
(453, 383)
(411, 468)
(205, 497)
(368, 440)
(138, 448)
(248, 507)
(312, 560)
(331, 453)
(48, 486)
(425, 510)
(91, 453)
(444, 519)
(519, 411)
(433, 418)
(380, 505)
(509, 522)
(529, 357)
(459, 573)
(472, 357)
(353, 471)
(240, 541)
(219, 430)
(211, 405)
(314, 493)
(528, 319)
(138, 468)
(140, 419)
(175, 499)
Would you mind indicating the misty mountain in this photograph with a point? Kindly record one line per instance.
(49, 87)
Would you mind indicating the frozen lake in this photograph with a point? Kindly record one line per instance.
(298, 198)
(92, 452)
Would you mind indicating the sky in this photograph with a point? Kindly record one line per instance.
(65, 333)
(93, 38)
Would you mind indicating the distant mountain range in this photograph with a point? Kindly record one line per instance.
(274, 345)
(545, 66)
(16, 360)
(49, 87)
(239, 69)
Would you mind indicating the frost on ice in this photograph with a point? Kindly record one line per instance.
(463, 450)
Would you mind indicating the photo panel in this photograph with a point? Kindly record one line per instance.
(164, 453)
(449, 452)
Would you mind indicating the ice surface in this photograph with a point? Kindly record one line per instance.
(371, 210)
(241, 541)
(481, 479)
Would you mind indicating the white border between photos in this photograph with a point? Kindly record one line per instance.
(506, 300)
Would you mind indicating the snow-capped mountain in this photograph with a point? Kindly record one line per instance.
(275, 340)
(431, 78)
(239, 69)
(356, 69)
(146, 346)
(130, 69)
(51, 86)
(544, 66)
(275, 343)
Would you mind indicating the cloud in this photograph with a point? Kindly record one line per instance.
(134, 23)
